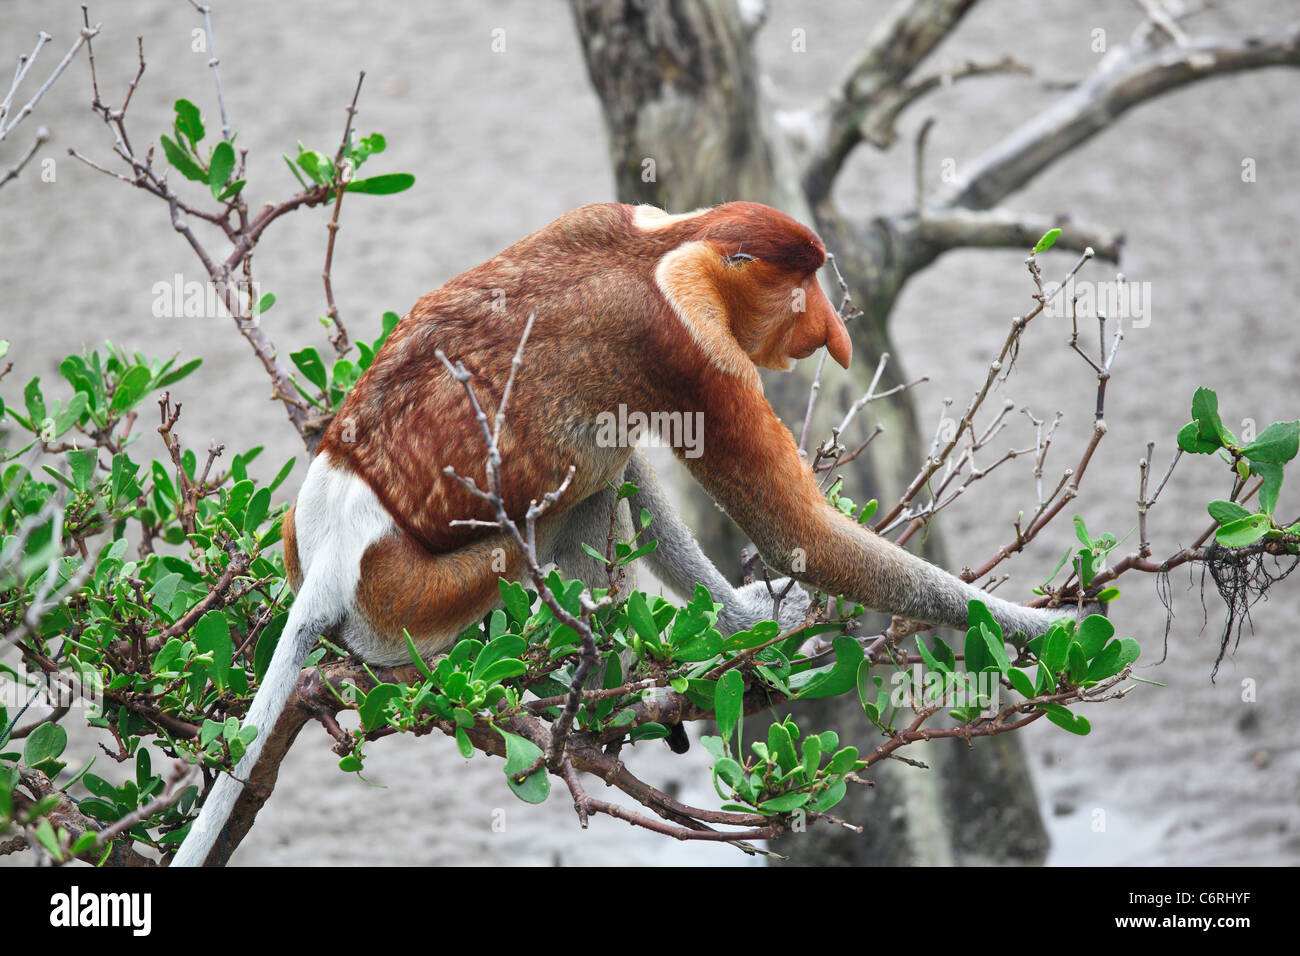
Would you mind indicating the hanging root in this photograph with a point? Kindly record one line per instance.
(1242, 579)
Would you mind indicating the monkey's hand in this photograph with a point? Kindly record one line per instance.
(753, 603)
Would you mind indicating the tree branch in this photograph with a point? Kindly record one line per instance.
(878, 126)
(946, 229)
(1125, 78)
(905, 37)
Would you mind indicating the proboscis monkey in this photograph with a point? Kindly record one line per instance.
(634, 309)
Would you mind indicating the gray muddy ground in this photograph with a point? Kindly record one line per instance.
(503, 142)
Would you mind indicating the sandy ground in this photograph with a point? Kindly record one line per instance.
(1190, 773)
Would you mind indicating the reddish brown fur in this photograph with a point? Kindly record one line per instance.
(403, 585)
(292, 566)
(603, 335)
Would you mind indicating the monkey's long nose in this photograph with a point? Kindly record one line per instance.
(838, 342)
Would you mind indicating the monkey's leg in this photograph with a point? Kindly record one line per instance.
(434, 597)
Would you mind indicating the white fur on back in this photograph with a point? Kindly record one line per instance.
(649, 218)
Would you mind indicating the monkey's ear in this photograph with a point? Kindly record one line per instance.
(819, 324)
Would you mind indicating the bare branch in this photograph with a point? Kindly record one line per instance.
(42, 137)
(900, 41)
(1125, 78)
(880, 126)
(24, 65)
(213, 62)
(948, 228)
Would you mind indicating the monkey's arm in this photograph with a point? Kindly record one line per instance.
(680, 563)
(753, 470)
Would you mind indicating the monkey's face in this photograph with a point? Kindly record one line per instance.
(751, 271)
(778, 314)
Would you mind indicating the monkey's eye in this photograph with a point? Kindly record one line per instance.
(737, 258)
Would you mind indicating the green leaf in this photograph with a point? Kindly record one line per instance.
(515, 599)
(1190, 440)
(1067, 720)
(1113, 658)
(71, 413)
(81, 462)
(1093, 634)
(781, 747)
(257, 508)
(131, 388)
(164, 592)
(463, 743)
(638, 614)
(1056, 648)
(812, 755)
(1021, 682)
(45, 836)
(266, 643)
(46, 743)
(372, 709)
(316, 165)
(84, 842)
(504, 670)
(1244, 531)
(1048, 240)
(868, 511)
(996, 648)
(730, 771)
(220, 168)
(309, 363)
(1078, 664)
(382, 185)
(866, 691)
(520, 755)
(1271, 472)
(294, 170)
(505, 647)
(282, 474)
(1278, 443)
(1081, 532)
(786, 803)
(1205, 409)
(35, 403)
(182, 160)
(976, 651)
(843, 761)
(212, 634)
(648, 731)
(842, 677)
(189, 123)
(829, 797)
(369, 145)
(728, 701)
(171, 378)
(1226, 512)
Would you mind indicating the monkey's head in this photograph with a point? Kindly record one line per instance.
(752, 270)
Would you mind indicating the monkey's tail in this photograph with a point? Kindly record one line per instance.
(299, 635)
